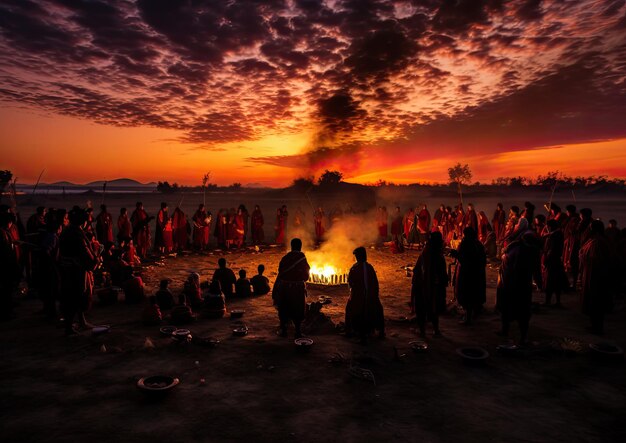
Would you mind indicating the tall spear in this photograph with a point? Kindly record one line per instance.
(104, 190)
(38, 180)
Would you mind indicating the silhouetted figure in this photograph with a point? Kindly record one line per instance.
(471, 278)
(290, 288)
(225, 276)
(428, 287)
(553, 272)
(260, 283)
(104, 226)
(124, 228)
(364, 312)
(10, 271)
(141, 229)
(164, 297)
(256, 225)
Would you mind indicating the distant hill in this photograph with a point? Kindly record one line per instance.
(120, 182)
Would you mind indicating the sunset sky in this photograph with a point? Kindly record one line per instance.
(267, 91)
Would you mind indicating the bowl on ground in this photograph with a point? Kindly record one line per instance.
(606, 352)
(100, 329)
(419, 346)
(157, 385)
(237, 313)
(182, 335)
(240, 331)
(303, 344)
(473, 354)
(167, 331)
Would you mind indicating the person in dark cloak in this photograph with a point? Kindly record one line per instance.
(471, 276)
(596, 275)
(571, 246)
(364, 312)
(104, 226)
(243, 289)
(520, 262)
(48, 258)
(256, 226)
(498, 222)
(10, 271)
(553, 272)
(290, 288)
(260, 283)
(225, 276)
(428, 287)
(77, 263)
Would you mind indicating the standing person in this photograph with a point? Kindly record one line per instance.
(257, 222)
(438, 218)
(520, 260)
(407, 223)
(225, 276)
(319, 219)
(162, 220)
(460, 217)
(279, 228)
(104, 226)
(396, 226)
(221, 228)
(179, 229)
(423, 224)
(382, 223)
(470, 220)
(124, 229)
(529, 212)
(239, 229)
(596, 276)
(429, 283)
(48, 258)
(414, 233)
(553, 273)
(571, 245)
(77, 263)
(511, 223)
(141, 229)
(289, 293)
(483, 226)
(498, 222)
(246, 217)
(230, 228)
(471, 277)
(364, 312)
(201, 223)
(10, 271)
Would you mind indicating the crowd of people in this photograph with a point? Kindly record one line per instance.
(64, 254)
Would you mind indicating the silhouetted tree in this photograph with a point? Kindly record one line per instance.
(330, 178)
(5, 179)
(460, 175)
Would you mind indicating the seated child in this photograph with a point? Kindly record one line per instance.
(260, 283)
(164, 296)
(192, 290)
(214, 302)
(181, 313)
(242, 286)
(151, 315)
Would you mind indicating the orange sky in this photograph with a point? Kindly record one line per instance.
(266, 92)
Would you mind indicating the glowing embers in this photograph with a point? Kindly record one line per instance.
(327, 275)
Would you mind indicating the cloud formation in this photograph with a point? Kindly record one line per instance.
(368, 78)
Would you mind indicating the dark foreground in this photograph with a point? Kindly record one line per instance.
(258, 388)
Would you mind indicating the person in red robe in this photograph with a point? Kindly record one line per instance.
(382, 222)
(201, 223)
(470, 219)
(364, 311)
(140, 222)
(429, 283)
(483, 226)
(104, 226)
(407, 223)
(460, 217)
(498, 222)
(238, 229)
(162, 221)
(423, 224)
(281, 221)
(396, 226)
(597, 276)
(571, 244)
(124, 228)
(179, 230)
(221, 228)
(230, 228)
(10, 271)
(256, 224)
(319, 219)
(289, 293)
(246, 218)
(438, 218)
(511, 224)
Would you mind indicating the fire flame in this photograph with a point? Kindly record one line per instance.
(327, 274)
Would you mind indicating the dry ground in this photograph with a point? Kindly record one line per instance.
(258, 388)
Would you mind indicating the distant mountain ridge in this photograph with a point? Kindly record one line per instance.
(116, 183)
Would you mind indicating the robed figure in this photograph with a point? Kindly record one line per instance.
(364, 311)
(471, 277)
(319, 220)
(429, 283)
(104, 226)
(256, 225)
(289, 293)
(141, 230)
(179, 229)
(201, 223)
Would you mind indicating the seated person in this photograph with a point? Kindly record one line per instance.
(242, 286)
(214, 302)
(192, 290)
(164, 296)
(181, 313)
(119, 270)
(260, 283)
(134, 290)
(152, 313)
(226, 277)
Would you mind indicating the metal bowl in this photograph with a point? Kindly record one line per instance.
(167, 331)
(101, 329)
(157, 385)
(419, 346)
(241, 331)
(303, 344)
(182, 335)
(607, 352)
(473, 354)
(237, 313)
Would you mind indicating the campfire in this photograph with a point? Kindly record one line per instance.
(327, 275)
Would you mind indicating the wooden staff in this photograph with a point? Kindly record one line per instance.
(38, 180)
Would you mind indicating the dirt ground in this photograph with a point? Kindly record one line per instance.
(259, 388)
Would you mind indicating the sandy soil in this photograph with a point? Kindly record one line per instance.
(259, 388)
